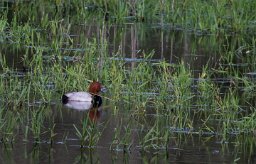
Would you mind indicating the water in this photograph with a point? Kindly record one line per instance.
(187, 148)
(185, 145)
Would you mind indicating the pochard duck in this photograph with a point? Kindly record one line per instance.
(90, 99)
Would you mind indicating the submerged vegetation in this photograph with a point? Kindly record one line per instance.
(48, 49)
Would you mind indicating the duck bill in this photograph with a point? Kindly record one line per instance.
(103, 89)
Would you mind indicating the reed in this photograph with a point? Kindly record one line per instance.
(8, 126)
(89, 134)
(122, 138)
(37, 119)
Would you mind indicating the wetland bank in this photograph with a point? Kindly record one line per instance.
(180, 79)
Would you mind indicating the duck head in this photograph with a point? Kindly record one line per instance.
(96, 87)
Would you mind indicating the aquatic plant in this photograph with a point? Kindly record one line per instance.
(37, 119)
(156, 137)
(122, 138)
(8, 126)
(52, 133)
(89, 134)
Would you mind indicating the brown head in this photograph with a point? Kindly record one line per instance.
(95, 87)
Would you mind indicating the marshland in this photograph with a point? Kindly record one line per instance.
(180, 79)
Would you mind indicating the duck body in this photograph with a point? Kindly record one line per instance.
(77, 96)
(91, 98)
(82, 98)
(78, 105)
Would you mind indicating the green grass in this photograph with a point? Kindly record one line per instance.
(200, 16)
(89, 133)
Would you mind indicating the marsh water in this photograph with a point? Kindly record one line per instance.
(132, 40)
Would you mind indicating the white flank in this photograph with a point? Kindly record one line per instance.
(79, 96)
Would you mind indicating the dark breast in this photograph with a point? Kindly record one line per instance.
(96, 101)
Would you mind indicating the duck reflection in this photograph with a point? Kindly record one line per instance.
(94, 112)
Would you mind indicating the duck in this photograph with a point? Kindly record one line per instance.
(90, 99)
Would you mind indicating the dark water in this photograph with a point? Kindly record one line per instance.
(187, 148)
(131, 39)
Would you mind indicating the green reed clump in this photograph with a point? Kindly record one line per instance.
(89, 135)
(140, 80)
(249, 88)
(245, 144)
(246, 124)
(164, 88)
(42, 87)
(52, 133)
(122, 137)
(37, 119)
(3, 25)
(114, 74)
(9, 125)
(59, 35)
(208, 93)
(221, 15)
(181, 82)
(200, 16)
(155, 137)
(78, 72)
(16, 92)
(21, 34)
(205, 16)
(34, 12)
(181, 96)
(27, 88)
(228, 112)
